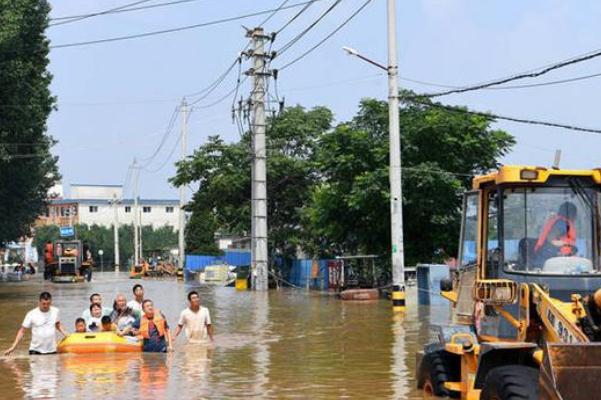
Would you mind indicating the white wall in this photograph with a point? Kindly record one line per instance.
(157, 217)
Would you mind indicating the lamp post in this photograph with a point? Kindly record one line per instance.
(101, 254)
(396, 193)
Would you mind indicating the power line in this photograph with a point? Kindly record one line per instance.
(172, 30)
(122, 9)
(529, 74)
(270, 16)
(421, 100)
(148, 160)
(295, 39)
(353, 15)
(220, 99)
(298, 14)
(166, 160)
(82, 17)
(209, 89)
(531, 85)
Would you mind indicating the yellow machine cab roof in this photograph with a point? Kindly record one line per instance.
(531, 174)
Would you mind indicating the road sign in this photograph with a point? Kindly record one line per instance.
(67, 231)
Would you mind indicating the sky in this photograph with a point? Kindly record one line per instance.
(115, 99)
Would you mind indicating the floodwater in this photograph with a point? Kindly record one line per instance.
(284, 344)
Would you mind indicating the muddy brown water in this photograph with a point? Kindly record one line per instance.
(284, 344)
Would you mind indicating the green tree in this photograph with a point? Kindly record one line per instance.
(27, 169)
(223, 172)
(441, 149)
(102, 238)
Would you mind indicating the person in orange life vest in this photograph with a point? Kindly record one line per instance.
(152, 327)
(558, 237)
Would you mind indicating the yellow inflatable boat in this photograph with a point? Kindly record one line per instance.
(99, 342)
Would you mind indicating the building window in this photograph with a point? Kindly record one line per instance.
(146, 209)
(127, 209)
(93, 209)
(169, 210)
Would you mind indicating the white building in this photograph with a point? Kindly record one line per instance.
(95, 205)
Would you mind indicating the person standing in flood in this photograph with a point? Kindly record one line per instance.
(196, 320)
(152, 327)
(136, 303)
(43, 321)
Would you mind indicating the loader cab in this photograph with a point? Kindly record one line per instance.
(534, 225)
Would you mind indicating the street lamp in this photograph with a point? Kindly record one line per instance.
(396, 192)
(101, 253)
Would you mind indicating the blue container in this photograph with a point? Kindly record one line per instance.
(301, 274)
(428, 283)
(198, 262)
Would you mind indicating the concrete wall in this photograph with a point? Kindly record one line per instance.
(157, 217)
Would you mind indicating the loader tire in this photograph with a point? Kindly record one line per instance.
(435, 370)
(511, 382)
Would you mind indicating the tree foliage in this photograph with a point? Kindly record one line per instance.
(328, 186)
(223, 172)
(27, 169)
(441, 151)
(102, 238)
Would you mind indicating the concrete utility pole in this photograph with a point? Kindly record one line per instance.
(182, 188)
(136, 172)
(140, 247)
(115, 203)
(396, 192)
(259, 176)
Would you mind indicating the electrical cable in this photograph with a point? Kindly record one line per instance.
(422, 101)
(209, 89)
(148, 160)
(82, 17)
(220, 99)
(530, 85)
(524, 75)
(166, 160)
(270, 16)
(353, 15)
(171, 30)
(295, 39)
(119, 10)
(298, 14)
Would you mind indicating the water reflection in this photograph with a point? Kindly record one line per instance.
(261, 353)
(399, 364)
(284, 344)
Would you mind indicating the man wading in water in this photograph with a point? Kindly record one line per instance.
(196, 320)
(152, 327)
(44, 322)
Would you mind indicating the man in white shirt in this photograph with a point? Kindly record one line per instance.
(43, 321)
(136, 303)
(96, 299)
(196, 320)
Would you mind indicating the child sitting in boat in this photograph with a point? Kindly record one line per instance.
(80, 325)
(107, 324)
(95, 321)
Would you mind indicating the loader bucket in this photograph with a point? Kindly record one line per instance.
(570, 371)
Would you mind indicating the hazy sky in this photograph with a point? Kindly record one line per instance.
(115, 99)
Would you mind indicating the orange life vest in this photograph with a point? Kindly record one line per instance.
(158, 322)
(49, 253)
(569, 238)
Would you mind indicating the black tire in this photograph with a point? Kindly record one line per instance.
(511, 382)
(438, 367)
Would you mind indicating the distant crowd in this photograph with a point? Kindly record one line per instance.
(137, 318)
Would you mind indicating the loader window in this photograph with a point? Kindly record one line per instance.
(550, 230)
(469, 231)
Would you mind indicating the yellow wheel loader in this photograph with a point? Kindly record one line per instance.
(526, 301)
